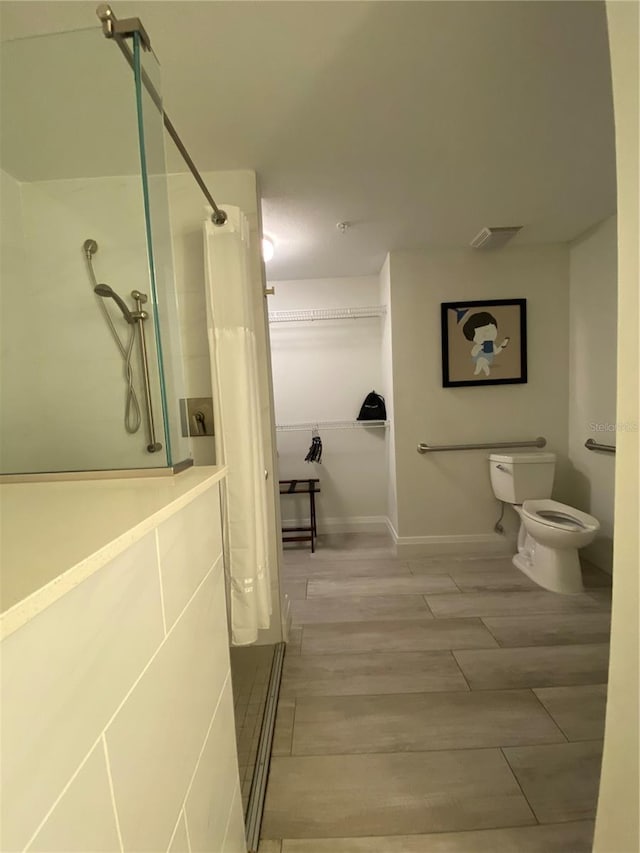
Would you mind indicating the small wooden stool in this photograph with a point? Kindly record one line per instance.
(302, 487)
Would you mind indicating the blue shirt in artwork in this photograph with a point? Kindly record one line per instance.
(487, 352)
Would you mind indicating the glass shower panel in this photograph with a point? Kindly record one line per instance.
(161, 266)
(71, 172)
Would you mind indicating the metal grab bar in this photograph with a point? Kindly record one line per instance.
(430, 448)
(591, 444)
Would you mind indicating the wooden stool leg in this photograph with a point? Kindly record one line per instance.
(312, 510)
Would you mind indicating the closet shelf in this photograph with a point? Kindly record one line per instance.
(327, 314)
(331, 425)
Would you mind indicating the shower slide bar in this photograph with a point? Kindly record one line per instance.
(153, 445)
(121, 30)
(591, 444)
(430, 448)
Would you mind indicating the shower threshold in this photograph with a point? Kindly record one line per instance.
(110, 474)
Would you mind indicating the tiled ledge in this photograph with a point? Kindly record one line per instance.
(55, 535)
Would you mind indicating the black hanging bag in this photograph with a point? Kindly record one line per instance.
(373, 408)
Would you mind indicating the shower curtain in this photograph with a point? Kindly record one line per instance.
(238, 427)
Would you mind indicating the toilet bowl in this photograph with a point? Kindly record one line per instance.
(550, 532)
(550, 535)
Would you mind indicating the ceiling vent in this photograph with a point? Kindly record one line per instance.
(494, 238)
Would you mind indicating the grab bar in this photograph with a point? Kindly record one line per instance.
(429, 448)
(591, 444)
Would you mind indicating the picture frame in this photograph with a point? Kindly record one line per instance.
(484, 342)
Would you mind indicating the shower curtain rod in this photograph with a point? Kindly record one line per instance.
(121, 30)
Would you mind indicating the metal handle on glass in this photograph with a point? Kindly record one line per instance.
(152, 446)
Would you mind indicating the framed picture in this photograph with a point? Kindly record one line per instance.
(484, 342)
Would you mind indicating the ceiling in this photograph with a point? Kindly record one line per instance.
(417, 123)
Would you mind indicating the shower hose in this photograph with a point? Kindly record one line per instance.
(132, 415)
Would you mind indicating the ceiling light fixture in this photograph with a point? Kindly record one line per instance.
(268, 249)
(494, 238)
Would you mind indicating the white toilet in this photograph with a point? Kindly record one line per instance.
(550, 532)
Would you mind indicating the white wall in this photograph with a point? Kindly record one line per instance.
(322, 371)
(118, 729)
(617, 822)
(63, 391)
(187, 212)
(445, 500)
(592, 380)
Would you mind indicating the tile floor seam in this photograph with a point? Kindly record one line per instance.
(532, 686)
(500, 614)
(517, 781)
(429, 610)
(418, 693)
(442, 832)
(555, 722)
(482, 619)
(461, 670)
(598, 742)
(536, 647)
(293, 726)
(453, 581)
(425, 751)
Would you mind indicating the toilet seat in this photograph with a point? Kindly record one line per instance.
(559, 516)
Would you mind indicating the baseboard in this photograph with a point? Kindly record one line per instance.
(350, 524)
(410, 546)
(392, 531)
(477, 544)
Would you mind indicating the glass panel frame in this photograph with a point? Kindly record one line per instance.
(161, 265)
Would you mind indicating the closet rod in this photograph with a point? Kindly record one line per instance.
(327, 314)
(331, 425)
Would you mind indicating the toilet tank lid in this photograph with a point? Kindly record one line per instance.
(518, 458)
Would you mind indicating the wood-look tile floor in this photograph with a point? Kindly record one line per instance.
(440, 705)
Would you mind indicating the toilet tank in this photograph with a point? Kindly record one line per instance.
(518, 477)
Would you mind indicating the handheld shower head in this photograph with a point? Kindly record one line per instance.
(107, 292)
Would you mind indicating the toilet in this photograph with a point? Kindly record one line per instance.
(550, 532)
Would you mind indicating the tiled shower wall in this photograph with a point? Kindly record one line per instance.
(118, 730)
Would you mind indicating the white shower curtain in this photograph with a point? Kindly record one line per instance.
(238, 427)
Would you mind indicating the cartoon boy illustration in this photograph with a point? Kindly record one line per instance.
(482, 329)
